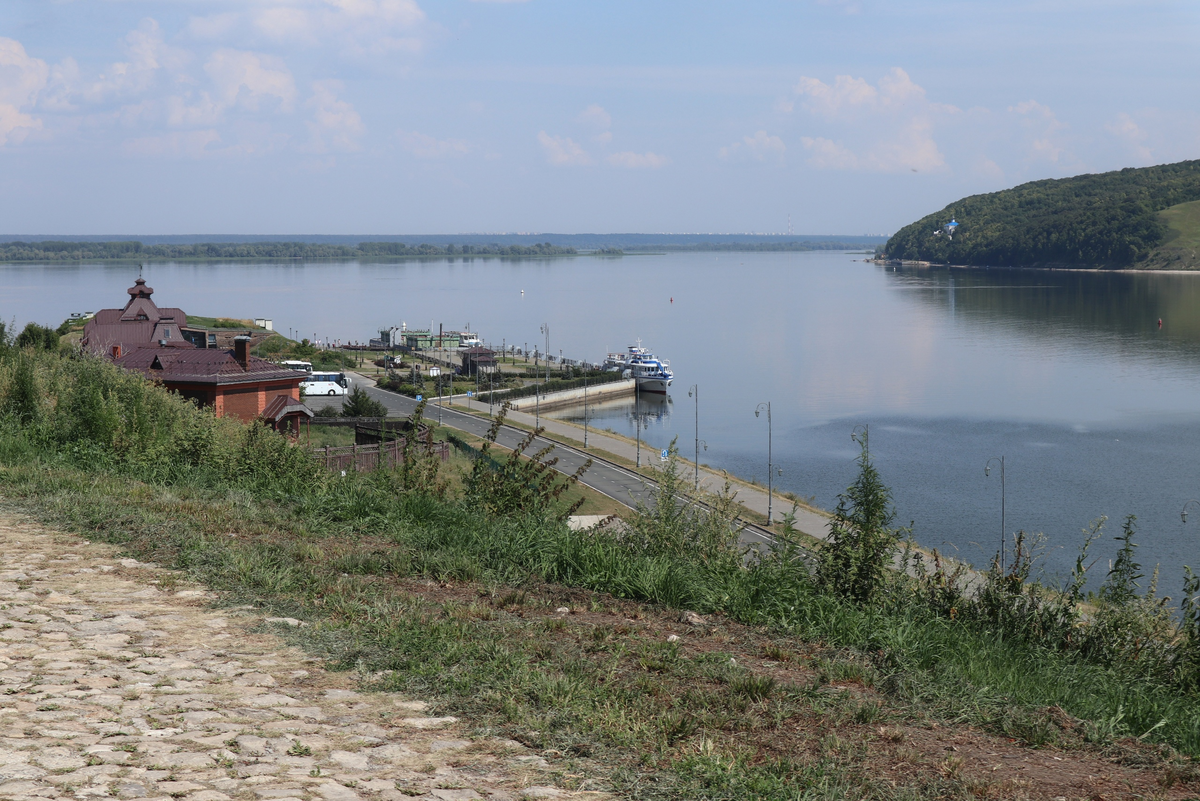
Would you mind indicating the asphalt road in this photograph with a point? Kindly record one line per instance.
(618, 483)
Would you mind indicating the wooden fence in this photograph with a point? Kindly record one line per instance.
(366, 457)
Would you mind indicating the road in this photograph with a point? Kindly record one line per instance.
(618, 483)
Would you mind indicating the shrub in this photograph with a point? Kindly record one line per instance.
(862, 544)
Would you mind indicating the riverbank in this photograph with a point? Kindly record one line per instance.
(926, 265)
(654, 654)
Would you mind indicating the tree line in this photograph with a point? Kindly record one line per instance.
(129, 250)
(1103, 220)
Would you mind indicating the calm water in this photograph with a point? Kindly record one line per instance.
(1066, 375)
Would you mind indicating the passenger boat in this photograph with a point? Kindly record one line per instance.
(651, 373)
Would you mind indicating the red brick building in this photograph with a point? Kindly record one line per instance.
(145, 338)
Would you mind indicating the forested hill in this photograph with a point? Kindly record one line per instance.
(1109, 219)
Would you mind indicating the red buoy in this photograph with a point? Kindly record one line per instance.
(1160, 322)
(673, 300)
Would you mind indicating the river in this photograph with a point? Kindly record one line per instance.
(1065, 374)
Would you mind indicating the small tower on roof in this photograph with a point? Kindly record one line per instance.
(140, 306)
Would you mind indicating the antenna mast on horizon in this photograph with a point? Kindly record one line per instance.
(790, 224)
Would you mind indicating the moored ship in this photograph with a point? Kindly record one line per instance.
(651, 373)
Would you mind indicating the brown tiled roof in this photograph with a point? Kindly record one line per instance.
(203, 366)
(107, 329)
(283, 405)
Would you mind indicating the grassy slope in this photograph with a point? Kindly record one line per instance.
(1181, 248)
(372, 565)
(727, 712)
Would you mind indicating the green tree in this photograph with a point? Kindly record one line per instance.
(360, 404)
(862, 541)
(38, 337)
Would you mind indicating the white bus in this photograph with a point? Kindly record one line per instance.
(325, 384)
(303, 367)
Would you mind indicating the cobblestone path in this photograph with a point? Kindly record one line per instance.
(114, 683)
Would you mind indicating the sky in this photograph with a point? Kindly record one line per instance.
(458, 116)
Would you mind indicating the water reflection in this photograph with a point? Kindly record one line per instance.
(619, 414)
(1121, 308)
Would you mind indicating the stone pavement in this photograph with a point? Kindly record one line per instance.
(116, 682)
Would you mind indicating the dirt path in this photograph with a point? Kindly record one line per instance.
(116, 683)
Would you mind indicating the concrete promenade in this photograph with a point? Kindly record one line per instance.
(615, 480)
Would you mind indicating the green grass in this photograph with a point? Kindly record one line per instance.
(221, 322)
(1181, 248)
(1183, 222)
(459, 604)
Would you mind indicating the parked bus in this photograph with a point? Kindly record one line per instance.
(325, 384)
(303, 367)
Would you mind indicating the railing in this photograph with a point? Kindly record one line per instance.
(368, 457)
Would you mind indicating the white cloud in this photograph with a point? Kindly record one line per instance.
(596, 116)
(828, 154)
(633, 160)
(247, 79)
(758, 147)
(21, 79)
(1043, 130)
(286, 24)
(352, 27)
(335, 123)
(147, 53)
(1125, 129)
(882, 127)
(909, 148)
(562, 151)
(203, 112)
(424, 146)
(848, 96)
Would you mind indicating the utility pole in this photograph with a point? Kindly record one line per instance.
(770, 464)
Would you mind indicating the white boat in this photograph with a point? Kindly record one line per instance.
(651, 373)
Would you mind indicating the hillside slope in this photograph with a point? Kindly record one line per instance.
(1113, 219)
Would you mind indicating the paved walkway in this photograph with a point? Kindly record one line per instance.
(754, 498)
(116, 683)
(751, 497)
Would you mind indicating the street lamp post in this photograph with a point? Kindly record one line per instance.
(987, 470)
(637, 419)
(694, 391)
(546, 331)
(770, 463)
(585, 413)
(1184, 512)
